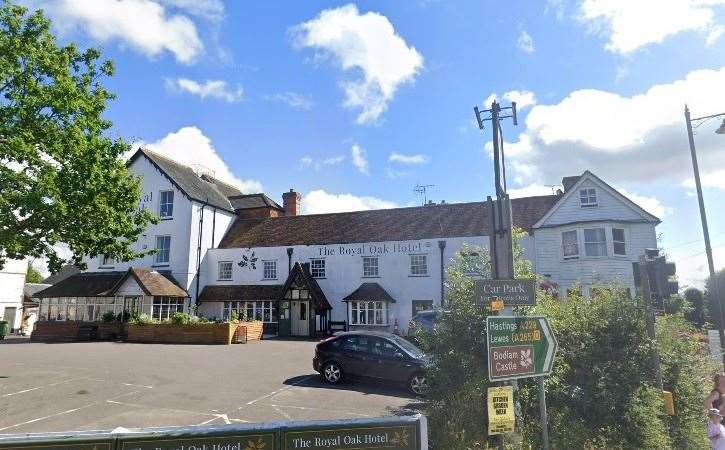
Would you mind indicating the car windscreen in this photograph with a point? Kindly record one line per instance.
(408, 347)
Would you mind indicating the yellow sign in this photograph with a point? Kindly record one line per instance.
(497, 305)
(501, 410)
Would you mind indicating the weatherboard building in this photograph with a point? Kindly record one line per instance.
(221, 251)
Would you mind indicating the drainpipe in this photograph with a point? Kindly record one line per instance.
(198, 251)
(442, 247)
(289, 259)
(213, 228)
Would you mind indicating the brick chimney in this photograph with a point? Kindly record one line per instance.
(291, 201)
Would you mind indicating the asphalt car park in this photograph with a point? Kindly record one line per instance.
(104, 385)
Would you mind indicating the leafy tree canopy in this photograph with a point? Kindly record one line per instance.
(63, 180)
(33, 276)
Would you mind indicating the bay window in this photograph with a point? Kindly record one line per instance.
(265, 310)
(368, 313)
(595, 242)
(570, 244)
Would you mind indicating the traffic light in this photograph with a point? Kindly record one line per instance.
(660, 283)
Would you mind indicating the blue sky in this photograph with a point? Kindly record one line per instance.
(352, 104)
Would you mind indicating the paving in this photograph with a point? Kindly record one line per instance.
(104, 385)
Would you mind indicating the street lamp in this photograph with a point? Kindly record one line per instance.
(703, 217)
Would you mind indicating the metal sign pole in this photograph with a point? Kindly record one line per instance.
(542, 414)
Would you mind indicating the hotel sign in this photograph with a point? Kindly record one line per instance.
(519, 347)
(510, 292)
(396, 437)
(231, 441)
(375, 249)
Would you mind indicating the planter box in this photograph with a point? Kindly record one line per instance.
(254, 330)
(208, 333)
(46, 331)
(108, 331)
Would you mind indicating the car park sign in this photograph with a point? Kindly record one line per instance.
(519, 347)
(520, 292)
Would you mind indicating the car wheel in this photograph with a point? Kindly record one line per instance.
(332, 373)
(418, 384)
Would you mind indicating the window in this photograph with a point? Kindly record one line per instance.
(356, 344)
(595, 242)
(270, 270)
(165, 307)
(264, 310)
(368, 313)
(418, 265)
(317, 268)
(383, 347)
(107, 260)
(370, 266)
(618, 241)
(166, 204)
(570, 244)
(225, 270)
(588, 197)
(163, 248)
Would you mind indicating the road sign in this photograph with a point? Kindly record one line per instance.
(519, 347)
(501, 410)
(511, 292)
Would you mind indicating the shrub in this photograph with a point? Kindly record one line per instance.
(142, 319)
(181, 318)
(108, 316)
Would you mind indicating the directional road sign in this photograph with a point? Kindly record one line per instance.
(519, 347)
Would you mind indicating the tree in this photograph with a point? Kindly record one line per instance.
(698, 314)
(63, 179)
(33, 276)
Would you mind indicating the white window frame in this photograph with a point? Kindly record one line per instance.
(318, 268)
(222, 272)
(157, 257)
(371, 266)
(622, 242)
(272, 275)
(415, 267)
(362, 312)
(108, 260)
(588, 197)
(163, 307)
(265, 310)
(601, 244)
(164, 213)
(576, 243)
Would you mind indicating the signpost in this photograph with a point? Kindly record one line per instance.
(519, 347)
(510, 292)
(501, 410)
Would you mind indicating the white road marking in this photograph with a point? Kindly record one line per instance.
(41, 387)
(218, 416)
(137, 385)
(273, 393)
(307, 408)
(282, 413)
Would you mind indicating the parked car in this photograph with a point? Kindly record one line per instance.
(371, 354)
(423, 321)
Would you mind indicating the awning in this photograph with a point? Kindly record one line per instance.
(369, 292)
(243, 292)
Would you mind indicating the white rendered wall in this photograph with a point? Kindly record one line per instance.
(12, 281)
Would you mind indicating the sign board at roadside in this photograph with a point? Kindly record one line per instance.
(501, 410)
(511, 292)
(519, 347)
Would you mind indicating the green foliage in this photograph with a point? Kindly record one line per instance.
(108, 316)
(456, 406)
(63, 180)
(33, 276)
(698, 314)
(236, 317)
(181, 318)
(142, 319)
(711, 295)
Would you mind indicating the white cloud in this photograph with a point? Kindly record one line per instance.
(633, 24)
(141, 24)
(293, 100)
(212, 10)
(307, 162)
(714, 179)
(650, 204)
(359, 159)
(714, 35)
(408, 159)
(523, 99)
(623, 138)
(395, 174)
(189, 146)
(319, 202)
(217, 89)
(525, 43)
(366, 43)
(531, 190)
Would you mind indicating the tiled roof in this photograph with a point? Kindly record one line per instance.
(241, 292)
(421, 222)
(568, 182)
(370, 291)
(102, 284)
(189, 182)
(62, 274)
(250, 201)
(225, 188)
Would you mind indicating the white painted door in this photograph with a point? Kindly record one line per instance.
(300, 318)
(9, 317)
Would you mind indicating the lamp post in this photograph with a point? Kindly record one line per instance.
(703, 217)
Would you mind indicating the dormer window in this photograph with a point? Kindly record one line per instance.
(588, 197)
(166, 204)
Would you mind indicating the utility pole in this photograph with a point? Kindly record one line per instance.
(703, 218)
